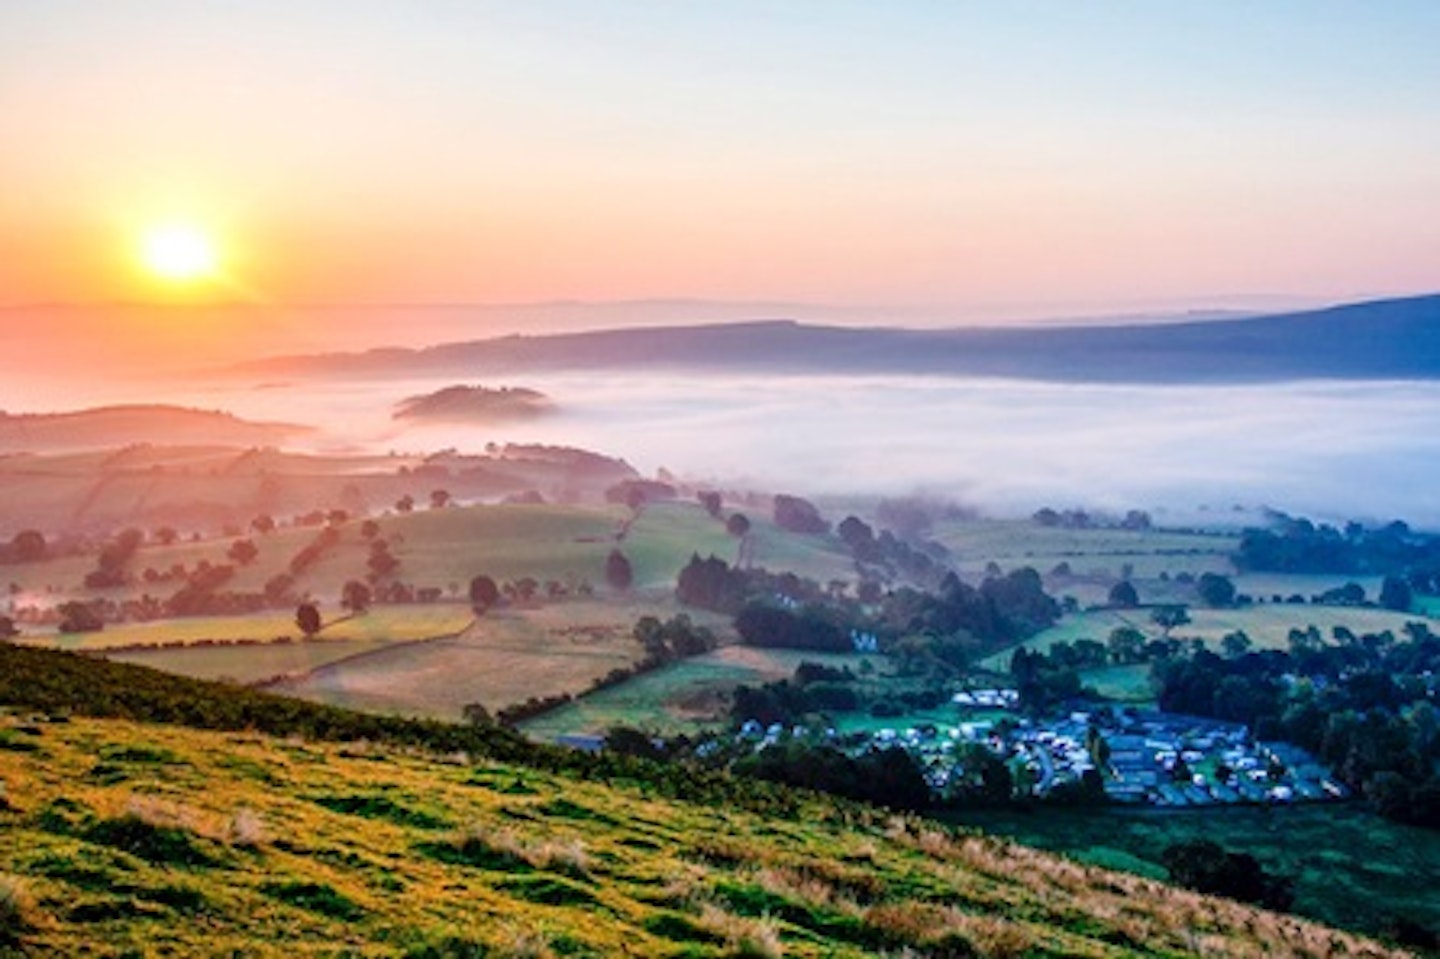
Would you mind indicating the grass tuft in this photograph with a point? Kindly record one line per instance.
(18, 913)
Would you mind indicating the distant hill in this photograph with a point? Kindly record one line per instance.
(1383, 339)
(474, 404)
(109, 427)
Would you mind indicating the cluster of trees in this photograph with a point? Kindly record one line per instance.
(26, 546)
(1080, 519)
(1207, 867)
(1364, 705)
(886, 777)
(1001, 610)
(883, 556)
(809, 627)
(112, 560)
(798, 515)
(635, 493)
(1294, 545)
(713, 584)
(814, 688)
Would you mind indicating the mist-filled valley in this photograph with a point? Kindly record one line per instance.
(1329, 449)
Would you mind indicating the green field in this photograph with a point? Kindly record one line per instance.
(1267, 625)
(1352, 868)
(1122, 684)
(1092, 553)
(252, 664)
(683, 697)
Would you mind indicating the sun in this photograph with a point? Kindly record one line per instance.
(178, 252)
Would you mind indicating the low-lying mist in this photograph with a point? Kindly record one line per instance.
(1329, 449)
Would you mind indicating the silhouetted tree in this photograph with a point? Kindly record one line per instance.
(307, 619)
(355, 596)
(484, 594)
(1123, 595)
(28, 546)
(738, 524)
(1395, 593)
(1215, 590)
(78, 617)
(618, 572)
(243, 551)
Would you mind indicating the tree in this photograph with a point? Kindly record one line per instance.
(483, 594)
(1235, 644)
(7, 628)
(797, 515)
(166, 535)
(263, 524)
(355, 596)
(1215, 590)
(1205, 866)
(243, 551)
(78, 617)
(369, 529)
(1168, 617)
(1123, 595)
(710, 500)
(1395, 593)
(28, 546)
(307, 619)
(737, 525)
(618, 572)
(439, 498)
(405, 504)
(1125, 644)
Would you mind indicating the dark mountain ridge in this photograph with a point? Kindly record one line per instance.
(1382, 339)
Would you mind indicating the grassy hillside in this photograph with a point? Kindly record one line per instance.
(128, 838)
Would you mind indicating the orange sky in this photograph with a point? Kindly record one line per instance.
(966, 162)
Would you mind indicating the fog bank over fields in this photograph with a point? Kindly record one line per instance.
(1331, 449)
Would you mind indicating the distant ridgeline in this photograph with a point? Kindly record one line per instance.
(474, 403)
(114, 426)
(1385, 339)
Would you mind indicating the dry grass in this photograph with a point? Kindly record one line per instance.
(758, 938)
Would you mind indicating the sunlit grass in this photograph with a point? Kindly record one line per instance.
(126, 837)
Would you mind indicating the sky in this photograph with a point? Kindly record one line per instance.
(957, 160)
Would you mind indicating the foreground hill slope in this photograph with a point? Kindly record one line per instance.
(1382, 339)
(133, 838)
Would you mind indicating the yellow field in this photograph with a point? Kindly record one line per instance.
(406, 622)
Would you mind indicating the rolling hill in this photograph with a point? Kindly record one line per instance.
(1383, 339)
(299, 830)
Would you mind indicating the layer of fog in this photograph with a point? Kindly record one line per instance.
(1336, 450)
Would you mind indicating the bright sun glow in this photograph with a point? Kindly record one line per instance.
(178, 252)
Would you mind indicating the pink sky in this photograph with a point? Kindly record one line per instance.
(955, 162)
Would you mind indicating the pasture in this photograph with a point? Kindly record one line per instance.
(1268, 625)
(506, 657)
(1101, 554)
(251, 664)
(683, 697)
(389, 623)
